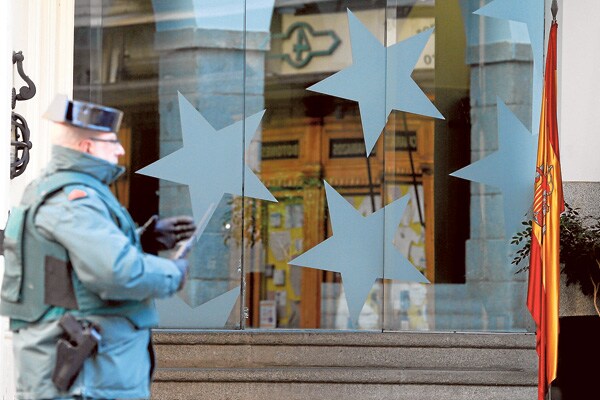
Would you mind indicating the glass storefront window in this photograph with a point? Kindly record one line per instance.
(353, 115)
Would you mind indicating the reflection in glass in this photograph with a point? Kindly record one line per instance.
(232, 62)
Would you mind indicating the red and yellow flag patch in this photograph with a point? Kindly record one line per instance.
(76, 194)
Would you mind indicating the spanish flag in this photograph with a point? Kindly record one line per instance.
(548, 204)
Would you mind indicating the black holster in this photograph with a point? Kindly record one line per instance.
(80, 341)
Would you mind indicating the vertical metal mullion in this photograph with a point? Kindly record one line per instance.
(391, 14)
(243, 309)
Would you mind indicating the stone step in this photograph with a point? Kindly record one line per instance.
(351, 338)
(256, 349)
(350, 365)
(349, 375)
(334, 391)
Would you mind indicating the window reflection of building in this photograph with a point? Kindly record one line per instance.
(122, 60)
(331, 147)
(327, 136)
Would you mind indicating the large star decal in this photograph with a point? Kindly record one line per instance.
(360, 248)
(511, 168)
(374, 65)
(531, 13)
(211, 161)
(212, 314)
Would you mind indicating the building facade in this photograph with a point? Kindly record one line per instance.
(292, 118)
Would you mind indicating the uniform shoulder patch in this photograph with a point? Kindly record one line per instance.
(76, 194)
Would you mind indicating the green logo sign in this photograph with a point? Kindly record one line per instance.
(302, 52)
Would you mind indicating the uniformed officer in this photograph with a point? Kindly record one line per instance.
(71, 248)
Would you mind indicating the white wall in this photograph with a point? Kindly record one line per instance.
(48, 51)
(45, 35)
(5, 87)
(579, 90)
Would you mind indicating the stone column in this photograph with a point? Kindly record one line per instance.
(500, 59)
(222, 74)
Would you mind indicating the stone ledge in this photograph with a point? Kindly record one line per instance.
(350, 375)
(499, 52)
(194, 38)
(342, 338)
(250, 356)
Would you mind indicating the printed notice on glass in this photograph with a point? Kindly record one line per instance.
(268, 314)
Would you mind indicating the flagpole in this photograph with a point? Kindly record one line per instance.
(554, 10)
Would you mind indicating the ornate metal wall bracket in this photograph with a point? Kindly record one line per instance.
(20, 130)
(21, 144)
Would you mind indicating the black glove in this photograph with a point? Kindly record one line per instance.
(183, 265)
(163, 234)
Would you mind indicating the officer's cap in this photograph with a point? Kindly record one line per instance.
(84, 115)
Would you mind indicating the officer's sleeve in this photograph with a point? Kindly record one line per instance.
(103, 258)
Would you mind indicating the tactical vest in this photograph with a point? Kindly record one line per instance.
(39, 282)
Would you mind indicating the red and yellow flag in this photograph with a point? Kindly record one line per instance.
(548, 204)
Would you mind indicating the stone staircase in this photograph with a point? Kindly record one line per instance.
(315, 365)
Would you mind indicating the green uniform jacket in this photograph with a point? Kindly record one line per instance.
(112, 270)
